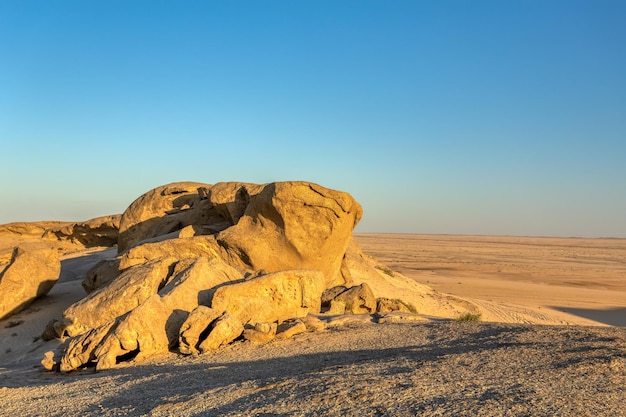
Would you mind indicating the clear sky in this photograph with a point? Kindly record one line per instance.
(468, 117)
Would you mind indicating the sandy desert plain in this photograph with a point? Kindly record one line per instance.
(570, 361)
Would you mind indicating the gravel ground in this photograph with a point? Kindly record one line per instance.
(427, 369)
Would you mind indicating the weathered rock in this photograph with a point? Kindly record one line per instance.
(290, 328)
(28, 276)
(329, 295)
(100, 231)
(155, 325)
(182, 248)
(186, 245)
(358, 299)
(385, 305)
(293, 225)
(163, 210)
(223, 331)
(30, 229)
(142, 332)
(313, 323)
(273, 297)
(48, 361)
(101, 274)
(196, 328)
(336, 307)
(260, 332)
(126, 292)
(81, 349)
(231, 199)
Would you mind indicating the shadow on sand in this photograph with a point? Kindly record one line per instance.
(612, 316)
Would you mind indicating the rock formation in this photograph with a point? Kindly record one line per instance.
(100, 231)
(28, 276)
(201, 265)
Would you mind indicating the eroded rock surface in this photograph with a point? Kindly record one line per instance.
(28, 276)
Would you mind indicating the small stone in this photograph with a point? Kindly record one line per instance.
(290, 329)
(48, 361)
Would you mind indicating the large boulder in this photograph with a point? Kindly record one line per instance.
(28, 276)
(293, 225)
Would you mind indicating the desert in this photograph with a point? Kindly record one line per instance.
(259, 299)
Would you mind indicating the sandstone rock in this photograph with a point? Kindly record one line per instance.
(187, 245)
(273, 297)
(223, 331)
(358, 299)
(29, 229)
(260, 332)
(231, 199)
(28, 276)
(294, 225)
(126, 292)
(142, 332)
(155, 325)
(80, 349)
(101, 231)
(48, 361)
(196, 328)
(384, 305)
(313, 323)
(329, 295)
(290, 328)
(336, 307)
(163, 210)
(183, 248)
(101, 274)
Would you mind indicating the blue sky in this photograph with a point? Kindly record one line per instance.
(468, 117)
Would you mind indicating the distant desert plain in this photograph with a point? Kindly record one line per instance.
(582, 281)
(547, 339)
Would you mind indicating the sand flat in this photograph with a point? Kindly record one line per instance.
(581, 278)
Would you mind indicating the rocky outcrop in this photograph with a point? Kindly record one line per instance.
(201, 265)
(28, 276)
(100, 231)
(279, 226)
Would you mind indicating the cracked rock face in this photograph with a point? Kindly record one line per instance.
(199, 263)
